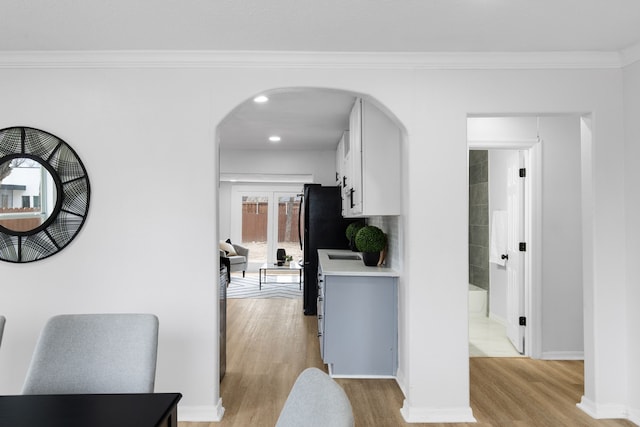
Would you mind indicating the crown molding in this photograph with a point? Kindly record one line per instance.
(276, 59)
(630, 55)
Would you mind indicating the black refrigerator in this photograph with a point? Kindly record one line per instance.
(321, 227)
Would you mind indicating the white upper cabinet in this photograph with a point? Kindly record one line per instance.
(354, 179)
(371, 168)
(343, 148)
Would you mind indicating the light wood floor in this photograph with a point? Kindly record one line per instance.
(269, 342)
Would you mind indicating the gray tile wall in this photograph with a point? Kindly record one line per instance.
(479, 218)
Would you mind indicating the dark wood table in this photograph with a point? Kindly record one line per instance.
(90, 410)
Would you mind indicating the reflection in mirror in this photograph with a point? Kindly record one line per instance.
(27, 194)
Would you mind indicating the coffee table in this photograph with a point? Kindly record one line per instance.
(274, 268)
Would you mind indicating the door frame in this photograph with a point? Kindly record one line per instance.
(533, 231)
(270, 190)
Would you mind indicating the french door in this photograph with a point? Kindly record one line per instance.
(264, 219)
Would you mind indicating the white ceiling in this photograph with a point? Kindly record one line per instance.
(326, 25)
(311, 119)
(305, 119)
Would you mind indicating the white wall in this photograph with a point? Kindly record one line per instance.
(321, 164)
(146, 134)
(502, 129)
(438, 161)
(146, 140)
(562, 306)
(632, 199)
(224, 217)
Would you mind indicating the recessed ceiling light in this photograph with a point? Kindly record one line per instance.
(260, 99)
(274, 138)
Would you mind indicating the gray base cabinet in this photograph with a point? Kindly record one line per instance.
(358, 325)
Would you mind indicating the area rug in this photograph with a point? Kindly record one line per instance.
(248, 287)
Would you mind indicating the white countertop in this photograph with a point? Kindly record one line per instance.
(349, 267)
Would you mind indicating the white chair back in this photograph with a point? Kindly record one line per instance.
(95, 353)
(316, 400)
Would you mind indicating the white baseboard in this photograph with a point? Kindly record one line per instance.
(634, 416)
(358, 376)
(212, 413)
(598, 411)
(364, 377)
(401, 381)
(432, 415)
(498, 319)
(562, 355)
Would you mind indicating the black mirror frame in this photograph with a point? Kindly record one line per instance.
(72, 194)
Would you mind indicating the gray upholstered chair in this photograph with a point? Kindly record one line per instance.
(238, 259)
(2, 320)
(95, 353)
(316, 400)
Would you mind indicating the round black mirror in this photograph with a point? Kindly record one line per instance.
(44, 194)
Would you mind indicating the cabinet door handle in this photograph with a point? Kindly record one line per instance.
(344, 181)
(320, 317)
(319, 334)
(351, 191)
(320, 299)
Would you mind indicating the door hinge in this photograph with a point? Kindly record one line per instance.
(522, 321)
(522, 172)
(522, 246)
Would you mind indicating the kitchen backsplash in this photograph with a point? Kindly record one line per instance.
(391, 226)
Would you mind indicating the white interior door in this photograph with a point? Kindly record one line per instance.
(516, 262)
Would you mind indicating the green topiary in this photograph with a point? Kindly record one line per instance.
(370, 239)
(352, 229)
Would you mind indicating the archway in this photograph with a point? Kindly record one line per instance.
(247, 157)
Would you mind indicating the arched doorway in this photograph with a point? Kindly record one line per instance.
(310, 123)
